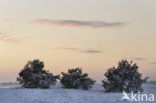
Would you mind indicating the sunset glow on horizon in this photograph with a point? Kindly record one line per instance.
(92, 34)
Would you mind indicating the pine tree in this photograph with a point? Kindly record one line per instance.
(34, 76)
(123, 78)
(76, 80)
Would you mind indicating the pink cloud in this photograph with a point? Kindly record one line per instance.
(78, 23)
(91, 51)
(8, 39)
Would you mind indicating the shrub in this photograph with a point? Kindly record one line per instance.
(76, 80)
(33, 76)
(123, 78)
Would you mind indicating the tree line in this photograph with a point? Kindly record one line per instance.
(124, 77)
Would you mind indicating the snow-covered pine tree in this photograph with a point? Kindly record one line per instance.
(123, 78)
(76, 79)
(34, 76)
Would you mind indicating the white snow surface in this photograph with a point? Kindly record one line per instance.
(12, 93)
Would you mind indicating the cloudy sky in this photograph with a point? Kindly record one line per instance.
(92, 34)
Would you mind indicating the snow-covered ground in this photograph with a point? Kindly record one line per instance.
(12, 93)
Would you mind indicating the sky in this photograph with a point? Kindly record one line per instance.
(91, 34)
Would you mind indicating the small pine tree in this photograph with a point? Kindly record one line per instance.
(33, 76)
(76, 80)
(123, 78)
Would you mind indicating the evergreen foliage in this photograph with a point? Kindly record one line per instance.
(76, 79)
(123, 78)
(34, 76)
